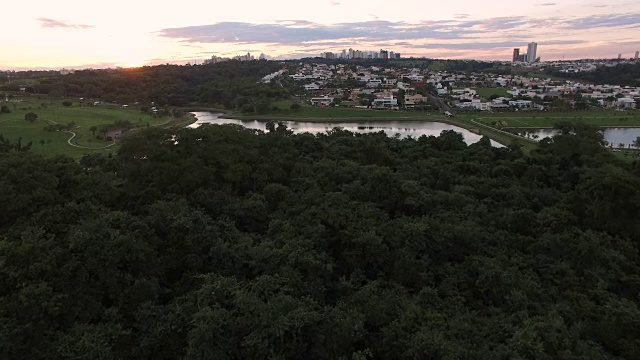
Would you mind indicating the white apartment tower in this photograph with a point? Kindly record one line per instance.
(532, 52)
(637, 54)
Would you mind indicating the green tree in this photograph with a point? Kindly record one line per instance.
(400, 96)
(67, 103)
(30, 117)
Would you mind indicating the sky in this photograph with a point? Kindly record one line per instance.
(45, 34)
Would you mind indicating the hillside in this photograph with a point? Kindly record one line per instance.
(231, 84)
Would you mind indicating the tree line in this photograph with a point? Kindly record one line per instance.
(228, 243)
(231, 84)
(621, 74)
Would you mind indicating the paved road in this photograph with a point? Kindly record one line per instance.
(439, 103)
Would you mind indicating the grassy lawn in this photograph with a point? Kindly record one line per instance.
(494, 134)
(547, 120)
(487, 92)
(13, 125)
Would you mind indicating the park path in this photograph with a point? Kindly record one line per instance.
(73, 135)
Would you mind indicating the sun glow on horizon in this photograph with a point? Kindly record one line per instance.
(69, 34)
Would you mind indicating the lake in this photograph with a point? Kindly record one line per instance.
(613, 136)
(414, 129)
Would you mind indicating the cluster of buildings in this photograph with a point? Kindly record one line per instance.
(248, 57)
(378, 87)
(404, 88)
(67, 71)
(577, 66)
(530, 57)
(357, 54)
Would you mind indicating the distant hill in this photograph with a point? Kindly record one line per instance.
(229, 84)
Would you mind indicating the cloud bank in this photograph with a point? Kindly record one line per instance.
(459, 34)
(51, 23)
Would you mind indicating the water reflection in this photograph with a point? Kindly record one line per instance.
(414, 129)
(613, 136)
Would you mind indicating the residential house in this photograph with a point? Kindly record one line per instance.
(626, 103)
(322, 101)
(386, 103)
(312, 87)
(521, 104)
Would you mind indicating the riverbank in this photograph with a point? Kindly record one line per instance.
(350, 119)
(542, 120)
(202, 109)
(502, 137)
(496, 135)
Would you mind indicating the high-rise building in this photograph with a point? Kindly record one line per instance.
(384, 54)
(619, 56)
(329, 55)
(532, 52)
(637, 54)
(516, 55)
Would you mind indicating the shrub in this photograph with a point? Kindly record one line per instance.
(31, 116)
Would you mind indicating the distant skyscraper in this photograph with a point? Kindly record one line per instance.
(637, 54)
(532, 52)
(516, 55)
(619, 56)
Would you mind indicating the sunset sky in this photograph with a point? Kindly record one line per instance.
(75, 34)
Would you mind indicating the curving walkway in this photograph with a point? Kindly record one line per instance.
(73, 135)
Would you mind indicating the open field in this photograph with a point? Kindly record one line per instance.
(14, 125)
(487, 92)
(548, 120)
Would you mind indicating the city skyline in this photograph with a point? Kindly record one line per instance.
(68, 34)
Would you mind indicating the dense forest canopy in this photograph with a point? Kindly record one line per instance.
(228, 243)
(621, 74)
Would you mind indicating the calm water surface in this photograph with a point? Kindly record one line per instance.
(414, 129)
(613, 136)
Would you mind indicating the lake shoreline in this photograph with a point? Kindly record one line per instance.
(415, 127)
